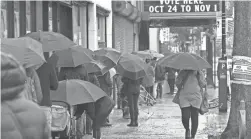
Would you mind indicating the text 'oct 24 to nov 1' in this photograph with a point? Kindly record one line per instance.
(183, 6)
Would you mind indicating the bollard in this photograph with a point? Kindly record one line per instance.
(242, 120)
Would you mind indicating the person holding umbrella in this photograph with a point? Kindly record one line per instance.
(49, 81)
(133, 69)
(148, 82)
(106, 85)
(190, 84)
(171, 79)
(132, 94)
(79, 72)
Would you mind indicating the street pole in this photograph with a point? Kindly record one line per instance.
(223, 30)
(222, 66)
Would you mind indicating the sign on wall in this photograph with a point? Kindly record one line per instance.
(181, 6)
(203, 39)
(241, 70)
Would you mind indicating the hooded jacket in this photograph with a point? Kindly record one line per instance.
(20, 118)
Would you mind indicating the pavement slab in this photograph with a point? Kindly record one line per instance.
(163, 121)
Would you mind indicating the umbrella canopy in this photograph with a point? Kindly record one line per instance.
(186, 61)
(154, 53)
(95, 67)
(77, 92)
(144, 55)
(108, 56)
(168, 53)
(132, 66)
(26, 50)
(51, 41)
(73, 57)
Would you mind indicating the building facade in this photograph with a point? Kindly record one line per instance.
(127, 16)
(87, 23)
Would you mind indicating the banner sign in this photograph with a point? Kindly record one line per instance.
(181, 6)
(241, 70)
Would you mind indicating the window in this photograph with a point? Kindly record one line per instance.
(50, 17)
(80, 25)
(101, 27)
(16, 18)
(3, 19)
(28, 23)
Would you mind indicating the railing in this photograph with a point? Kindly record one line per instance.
(242, 120)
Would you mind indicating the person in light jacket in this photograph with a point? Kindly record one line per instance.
(20, 118)
(190, 84)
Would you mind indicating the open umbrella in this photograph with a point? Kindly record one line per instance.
(144, 55)
(154, 53)
(77, 92)
(27, 51)
(73, 57)
(51, 41)
(108, 56)
(182, 61)
(132, 66)
(95, 67)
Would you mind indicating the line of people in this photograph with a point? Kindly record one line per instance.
(23, 119)
(34, 84)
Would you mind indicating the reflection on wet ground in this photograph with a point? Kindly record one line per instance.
(163, 121)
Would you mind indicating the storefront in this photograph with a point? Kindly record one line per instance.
(21, 17)
(87, 23)
(125, 27)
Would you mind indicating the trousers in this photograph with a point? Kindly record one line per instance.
(193, 113)
(133, 105)
(171, 83)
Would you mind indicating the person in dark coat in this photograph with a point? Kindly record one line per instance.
(49, 81)
(171, 79)
(132, 93)
(159, 79)
(106, 85)
(93, 79)
(20, 118)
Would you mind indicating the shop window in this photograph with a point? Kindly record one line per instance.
(28, 23)
(50, 16)
(3, 24)
(80, 25)
(101, 27)
(76, 25)
(16, 19)
(3, 19)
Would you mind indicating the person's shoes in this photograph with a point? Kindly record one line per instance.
(126, 116)
(136, 122)
(106, 124)
(131, 124)
(188, 134)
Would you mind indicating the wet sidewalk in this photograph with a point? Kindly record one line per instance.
(163, 121)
